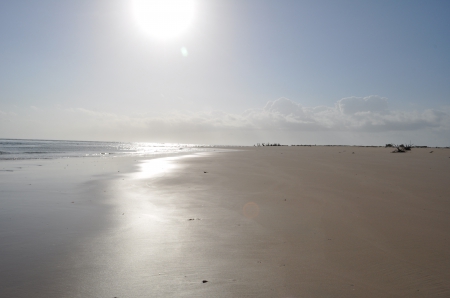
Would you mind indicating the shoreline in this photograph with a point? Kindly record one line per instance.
(259, 222)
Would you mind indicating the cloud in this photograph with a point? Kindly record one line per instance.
(35, 108)
(349, 120)
(352, 114)
(284, 106)
(354, 105)
(7, 114)
(349, 114)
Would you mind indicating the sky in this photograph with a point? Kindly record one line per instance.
(240, 72)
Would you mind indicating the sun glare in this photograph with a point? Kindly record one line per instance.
(164, 19)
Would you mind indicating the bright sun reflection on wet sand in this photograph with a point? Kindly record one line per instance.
(143, 234)
(154, 168)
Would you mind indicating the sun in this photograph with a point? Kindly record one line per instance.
(163, 19)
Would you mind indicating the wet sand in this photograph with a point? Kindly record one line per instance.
(256, 222)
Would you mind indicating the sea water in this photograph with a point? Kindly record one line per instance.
(11, 149)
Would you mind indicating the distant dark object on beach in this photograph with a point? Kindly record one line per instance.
(400, 148)
(267, 144)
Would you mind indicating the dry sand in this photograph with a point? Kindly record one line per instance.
(255, 222)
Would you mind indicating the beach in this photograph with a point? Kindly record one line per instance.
(287, 221)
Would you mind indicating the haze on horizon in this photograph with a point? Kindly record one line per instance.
(234, 72)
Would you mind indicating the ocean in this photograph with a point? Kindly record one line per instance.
(11, 149)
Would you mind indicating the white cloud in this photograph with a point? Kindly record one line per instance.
(284, 106)
(351, 120)
(354, 105)
(7, 114)
(35, 108)
(352, 114)
(349, 114)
